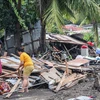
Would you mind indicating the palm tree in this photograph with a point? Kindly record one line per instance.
(89, 16)
(52, 11)
(57, 8)
(91, 13)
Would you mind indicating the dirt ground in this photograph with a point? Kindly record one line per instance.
(83, 88)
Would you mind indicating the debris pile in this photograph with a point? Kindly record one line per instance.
(56, 75)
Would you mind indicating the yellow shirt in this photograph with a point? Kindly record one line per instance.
(24, 57)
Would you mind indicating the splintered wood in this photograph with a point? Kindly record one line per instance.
(13, 63)
(7, 74)
(68, 79)
(55, 75)
(62, 80)
(13, 88)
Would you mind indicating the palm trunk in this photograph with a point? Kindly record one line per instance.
(96, 37)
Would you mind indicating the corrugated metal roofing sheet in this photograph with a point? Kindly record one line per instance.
(62, 38)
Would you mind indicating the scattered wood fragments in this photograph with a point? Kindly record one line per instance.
(56, 75)
(69, 80)
(13, 89)
(52, 74)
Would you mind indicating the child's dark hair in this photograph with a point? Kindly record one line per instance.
(20, 49)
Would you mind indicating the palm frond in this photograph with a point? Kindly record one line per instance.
(87, 7)
(54, 14)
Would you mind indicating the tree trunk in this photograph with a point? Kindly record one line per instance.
(30, 31)
(17, 34)
(43, 31)
(42, 37)
(95, 29)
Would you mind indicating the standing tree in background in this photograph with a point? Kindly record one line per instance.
(18, 28)
(52, 11)
(7, 18)
(90, 14)
(15, 17)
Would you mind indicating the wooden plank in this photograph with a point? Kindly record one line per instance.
(78, 62)
(72, 78)
(8, 74)
(68, 79)
(52, 74)
(13, 88)
(63, 77)
(4, 72)
(8, 63)
(74, 82)
(81, 68)
(71, 84)
(15, 56)
(12, 60)
(9, 71)
(12, 66)
(37, 61)
(60, 83)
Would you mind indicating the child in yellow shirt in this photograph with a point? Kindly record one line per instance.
(27, 65)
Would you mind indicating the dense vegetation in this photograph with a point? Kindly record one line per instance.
(20, 15)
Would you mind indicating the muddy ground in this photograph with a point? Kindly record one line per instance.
(83, 88)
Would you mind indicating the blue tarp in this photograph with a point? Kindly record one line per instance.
(98, 51)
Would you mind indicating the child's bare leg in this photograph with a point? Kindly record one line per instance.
(25, 83)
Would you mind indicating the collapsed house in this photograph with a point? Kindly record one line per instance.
(57, 76)
(56, 72)
(67, 44)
